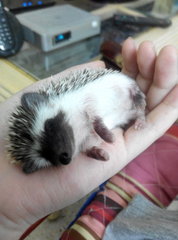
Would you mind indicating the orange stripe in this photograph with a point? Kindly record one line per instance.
(71, 234)
(88, 229)
(114, 196)
(125, 185)
(101, 212)
(93, 224)
(84, 231)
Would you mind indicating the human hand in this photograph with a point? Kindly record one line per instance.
(157, 77)
(26, 198)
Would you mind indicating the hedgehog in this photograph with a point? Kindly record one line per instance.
(73, 115)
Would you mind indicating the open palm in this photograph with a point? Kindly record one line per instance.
(26, 198)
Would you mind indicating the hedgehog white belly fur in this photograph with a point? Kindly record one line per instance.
(74, 115)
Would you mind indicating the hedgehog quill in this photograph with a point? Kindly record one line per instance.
(73, 115)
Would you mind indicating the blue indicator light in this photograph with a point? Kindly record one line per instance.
(60, 37)
(24, 4)
(40, 2)
(29, 3)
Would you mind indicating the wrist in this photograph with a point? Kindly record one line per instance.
(9, 229)
(14, 217)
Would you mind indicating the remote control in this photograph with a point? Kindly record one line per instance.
(141, 21)
(6, 37)
(11, 35)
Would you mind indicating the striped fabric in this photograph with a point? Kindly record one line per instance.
(152, 174)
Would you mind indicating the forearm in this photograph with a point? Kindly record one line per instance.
(9, 229)
(11, 225)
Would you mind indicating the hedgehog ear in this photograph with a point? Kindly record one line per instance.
(31, 99)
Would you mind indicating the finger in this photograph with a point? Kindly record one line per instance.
(146, 57)
(129, 54)
(158, 122)
(165, 77)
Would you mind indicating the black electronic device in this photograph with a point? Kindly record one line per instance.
(11, 33)
(150, 21)
(113, 1)
(16, 5)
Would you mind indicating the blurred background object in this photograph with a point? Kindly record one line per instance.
(26, 4)
(111, 54)
(165, 8)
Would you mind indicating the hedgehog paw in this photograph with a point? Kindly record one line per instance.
(98, 154)
(139, 123)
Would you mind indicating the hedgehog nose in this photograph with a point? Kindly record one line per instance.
(64, 158)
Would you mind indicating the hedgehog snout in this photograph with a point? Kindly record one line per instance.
(65, 158)
(57, 158)
(57, 140)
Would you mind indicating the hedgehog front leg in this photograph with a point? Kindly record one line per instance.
(101, 129)
(97, 153)
(105, 134)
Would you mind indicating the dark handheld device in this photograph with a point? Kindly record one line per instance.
(11, 33)
(147, 21)
(25, 5)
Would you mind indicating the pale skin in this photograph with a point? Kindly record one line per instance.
(26, 198)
